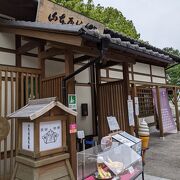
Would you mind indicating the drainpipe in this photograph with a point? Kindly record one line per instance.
(103, 47)
(64, 89)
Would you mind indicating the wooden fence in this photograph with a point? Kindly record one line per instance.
(52, 87)
(111, 102)
(17, 85)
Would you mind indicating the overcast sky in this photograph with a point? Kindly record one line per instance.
(158, 21)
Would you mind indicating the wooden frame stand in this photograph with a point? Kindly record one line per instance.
(56, 167)
(42, 151)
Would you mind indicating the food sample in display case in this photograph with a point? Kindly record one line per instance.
(119, 162)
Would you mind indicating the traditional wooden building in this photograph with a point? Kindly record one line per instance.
(48, 58)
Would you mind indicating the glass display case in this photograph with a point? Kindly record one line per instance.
(116, 162)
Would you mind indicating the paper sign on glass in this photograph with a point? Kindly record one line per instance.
(50, 135)
(28, 136)
(113, 124)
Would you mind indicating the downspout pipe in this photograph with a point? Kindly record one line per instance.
(64, 90)
(103, 47)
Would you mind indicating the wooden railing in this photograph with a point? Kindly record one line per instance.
(17, 85)
(51, 87)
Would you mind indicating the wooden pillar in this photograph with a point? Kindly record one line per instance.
(176, 107)
(41, 66)
(151, 73)
(136, 119)
(69, 68)
(159, 112)
(41, 62)
(93, 99)
(126, 94)
(18, 64)
(98, 81)
(18, 98)
(18, 45)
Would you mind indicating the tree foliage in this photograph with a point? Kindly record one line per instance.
(173, 73)
(110, 17)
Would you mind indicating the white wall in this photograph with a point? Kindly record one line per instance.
(84, 122)
(159, 80)
(115, 74)
(103, 73)
(138, 77)
(29, 62)
(82, 77)
(159, 71)
(141, 68)
(7, 40)
(53, 68)
(7, 59)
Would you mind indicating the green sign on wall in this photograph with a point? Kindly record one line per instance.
(72, 101)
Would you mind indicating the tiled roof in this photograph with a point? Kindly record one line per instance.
(117, 40)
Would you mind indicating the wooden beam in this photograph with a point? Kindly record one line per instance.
(108, 64)
(81, 59)
(159, 112)
(51, 36)
(176, 108)
(50, 53)
(19, 69)
(41, 60)
(7, 50)
(28, 46)
(119, 56)
(90, 51)
(151, 72)
(132, 72)
(12, 51)
(69, 69)
(95, 52)
(50, 58)
(155, 84)
(108, 79)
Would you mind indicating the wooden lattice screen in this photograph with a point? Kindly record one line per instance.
(146, 107)
(52, 87)
(111, 102)
(17, 85)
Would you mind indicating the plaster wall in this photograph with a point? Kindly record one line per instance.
(84, 122)
(159, 71)
(141, 68)
(115, 74)
(143, 78)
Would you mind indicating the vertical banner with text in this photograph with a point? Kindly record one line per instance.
(167, 118)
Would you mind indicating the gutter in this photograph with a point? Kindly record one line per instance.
(172, 66)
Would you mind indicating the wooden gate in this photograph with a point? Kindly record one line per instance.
(17, 85)
(111, 102)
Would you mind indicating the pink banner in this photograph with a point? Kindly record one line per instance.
(167, 118)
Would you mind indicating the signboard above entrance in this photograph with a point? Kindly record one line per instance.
(49, 12)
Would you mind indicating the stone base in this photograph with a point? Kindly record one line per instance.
(52, 168)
